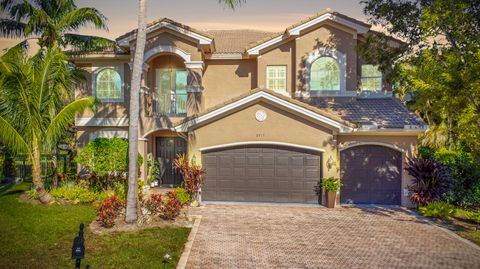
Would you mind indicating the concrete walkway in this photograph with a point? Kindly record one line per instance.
(269, 236)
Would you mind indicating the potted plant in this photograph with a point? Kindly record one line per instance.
(331, 186)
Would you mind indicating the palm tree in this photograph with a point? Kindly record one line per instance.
(52, 22)
(34, 111)
(131, 207)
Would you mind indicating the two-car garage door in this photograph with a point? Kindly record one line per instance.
(261, 173)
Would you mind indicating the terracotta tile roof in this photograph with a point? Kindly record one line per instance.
(384, 112)
(236, 41)
(167, 20)
(322, 112)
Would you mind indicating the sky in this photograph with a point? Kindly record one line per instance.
(267, 15)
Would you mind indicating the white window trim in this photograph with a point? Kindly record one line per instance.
(340, 57)
(117, 67)
(286, 77)
(362, 77)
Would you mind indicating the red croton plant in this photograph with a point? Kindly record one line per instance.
(109, 211)
(192, 174)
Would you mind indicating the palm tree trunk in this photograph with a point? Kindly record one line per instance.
(131, 208)
(44, 196)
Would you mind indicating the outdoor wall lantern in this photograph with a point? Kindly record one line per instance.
(194, 159)
(78, 248)
(330, 162)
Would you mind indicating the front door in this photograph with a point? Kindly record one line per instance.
(167, 148)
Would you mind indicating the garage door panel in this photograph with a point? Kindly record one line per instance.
(370, 175)
(262, 174)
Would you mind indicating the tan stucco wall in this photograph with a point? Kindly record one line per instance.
(224, 80)
(281, 55)
(280, 126)
(104, 109)
(168, 38)
(327, 36)
(408, 144)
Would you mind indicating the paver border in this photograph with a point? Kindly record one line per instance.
(182, 263)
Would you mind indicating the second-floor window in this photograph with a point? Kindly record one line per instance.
(277, 78)
(371, 78)
(172, 91)
(108, 85)
(325, 74)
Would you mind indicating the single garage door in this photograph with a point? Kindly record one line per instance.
(259, 173)
(371, 175)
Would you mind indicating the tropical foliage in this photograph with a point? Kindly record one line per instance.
(431, 180)
(107, 161)
(437, 68)
(53, 23)
(331, 184)
(192, 174)
(36, 105)
(438, 209)
(109, 211)
(465, 171)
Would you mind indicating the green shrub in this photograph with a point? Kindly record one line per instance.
(438, 210)
(182, 195)
(465, 171)
(120, 190)
(71, 192)
(106, 159)
(331, 184)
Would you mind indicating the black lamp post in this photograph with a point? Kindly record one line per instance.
(78, 248)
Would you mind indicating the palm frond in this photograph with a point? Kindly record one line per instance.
(232, 3)
(39, 23)
(21, 11)
(82, 17)
(11, 28)
(62, 121)
(86, 42)
(10, 137)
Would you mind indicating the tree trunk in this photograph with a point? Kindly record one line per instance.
(44, 196)
(131, 208)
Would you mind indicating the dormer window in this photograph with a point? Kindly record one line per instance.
(108, 85)
(371, 78)
(325, 74)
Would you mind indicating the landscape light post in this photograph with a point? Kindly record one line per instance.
(78, 248)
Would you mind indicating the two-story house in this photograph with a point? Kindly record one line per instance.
(266, 114)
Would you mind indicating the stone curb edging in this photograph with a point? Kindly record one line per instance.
(182, 263)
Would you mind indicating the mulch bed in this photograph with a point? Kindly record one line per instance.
(181, 220)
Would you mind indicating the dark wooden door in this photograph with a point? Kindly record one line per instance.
(371, 175)
(258, 173)
(167, 149)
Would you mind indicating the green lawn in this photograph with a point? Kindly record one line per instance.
(36, 236)
(469, 233)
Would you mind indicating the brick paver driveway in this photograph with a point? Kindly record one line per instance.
(264, 236)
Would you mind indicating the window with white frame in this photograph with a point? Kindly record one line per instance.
(277, 78)
(108, 85)
(325, 74)
(371, 78)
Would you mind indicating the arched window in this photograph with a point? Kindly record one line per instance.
(109, 85)
(325, 75)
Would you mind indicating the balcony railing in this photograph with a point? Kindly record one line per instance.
(168, 104)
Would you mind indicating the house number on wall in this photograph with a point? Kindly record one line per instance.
(261, 115)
